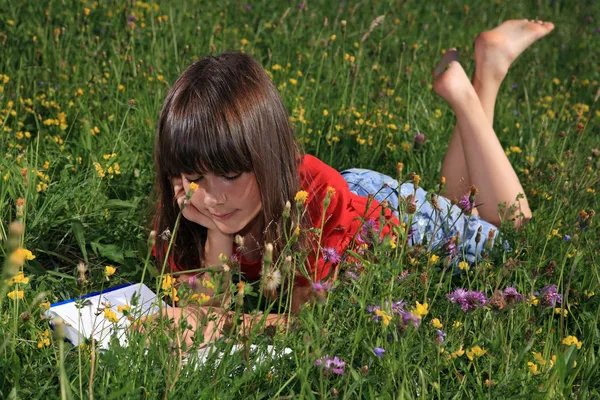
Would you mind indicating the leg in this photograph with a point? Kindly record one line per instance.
(495, 51)
(487, 165)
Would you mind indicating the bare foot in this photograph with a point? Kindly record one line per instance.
(450, 80)
(496, 50)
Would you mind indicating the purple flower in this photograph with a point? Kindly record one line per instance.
(402, 275)
(409, 318)
(368, 231)
(321, 286)
(131, 17)
(378, 351)
(419, 140)
(550, 296)
(330, 364)
(567, 237)
(514, 86)
(331, 254)
(351, 274)
(450, 247)
(465, 204)
(440, 335)
(467, 300)
(511, 295)
(248, 7)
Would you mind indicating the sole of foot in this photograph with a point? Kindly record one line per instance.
(497, 49)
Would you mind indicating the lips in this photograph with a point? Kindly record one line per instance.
(223, 216)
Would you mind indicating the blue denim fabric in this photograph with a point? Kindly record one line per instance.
(436, 226)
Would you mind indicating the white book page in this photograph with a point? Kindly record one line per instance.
(84, 318)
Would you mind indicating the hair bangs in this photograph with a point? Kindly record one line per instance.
(204, 133)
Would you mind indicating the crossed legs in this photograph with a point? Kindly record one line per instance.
(474, 154)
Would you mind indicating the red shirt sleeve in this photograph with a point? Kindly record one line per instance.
(343, 217)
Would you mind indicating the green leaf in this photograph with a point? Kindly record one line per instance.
(77, 228)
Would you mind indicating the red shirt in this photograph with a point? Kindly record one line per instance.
(342, 217)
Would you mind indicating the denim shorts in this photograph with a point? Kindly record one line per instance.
(437, 227)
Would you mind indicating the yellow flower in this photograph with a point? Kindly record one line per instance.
(301, 197)
(208, 284)
(572, 340)
(557, 311)
(476, 351)
(19, 278)
(325, 113)
(193, 188)
(533, 300)
(533, 368)
(456, 324)
(110, 315)
(539, 358)
(293, 81)
(16, 293)
(276, 67)
(172, 293)
(433, 258)
(200, 298)
(297, 231)
(121, 308)
(463, 265)
(109, 270)
(45, 306)
(385, 318)
(19, 256)
(44, 339)
(167, 282)
(436, 323)
(330, 191)
(421, 309)
(458, 353)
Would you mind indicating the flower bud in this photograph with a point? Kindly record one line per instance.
(287, 209)
(152, 238)
(59, 328)
(419, 140)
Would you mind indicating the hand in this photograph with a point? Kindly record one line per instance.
(190, 212)
(209, 319)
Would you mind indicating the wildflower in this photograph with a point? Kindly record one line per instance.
(18, 294)
(44, 339)
(475, 351)
(385, 318)
(109, 270)
(533, 368)
(207, 283)
(440, 335)
(433, 259)
(409, 318)
(539, 358)
(124, 308)
(301, 197)
(331, 364)
(19, 256)
(437, 323)
(420, 310)
(464, 266)
(511, 295)
(468, 300)
(550, 296)
(110, 315)
(325, 113)
(572, 340)
(419, 140)
(458, 353)
(465, 204)
(456, 324)
(45, 306)
(19, 278)
(368, 232)
(272, 279)
(558, 311)
(167, 282)
(331, 254)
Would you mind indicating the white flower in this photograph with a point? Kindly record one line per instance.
(272, 279)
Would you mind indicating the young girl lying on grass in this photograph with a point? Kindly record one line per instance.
(227, 158)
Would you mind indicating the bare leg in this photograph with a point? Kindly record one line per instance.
(495, 51)
(489, 168)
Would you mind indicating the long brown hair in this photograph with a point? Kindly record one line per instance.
(224, 115)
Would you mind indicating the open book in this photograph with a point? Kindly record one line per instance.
(87, 316)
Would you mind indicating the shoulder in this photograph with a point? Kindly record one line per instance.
(316, 176)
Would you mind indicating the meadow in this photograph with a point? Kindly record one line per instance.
(81, 86)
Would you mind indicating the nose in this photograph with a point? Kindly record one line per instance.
(214, 196)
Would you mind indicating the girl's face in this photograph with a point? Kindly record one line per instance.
(226, 202)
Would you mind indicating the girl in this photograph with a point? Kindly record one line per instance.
(227, 156)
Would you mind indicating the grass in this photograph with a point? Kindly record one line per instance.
(82, 84)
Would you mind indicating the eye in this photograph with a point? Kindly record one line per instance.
(232, 178)
(196, 180)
